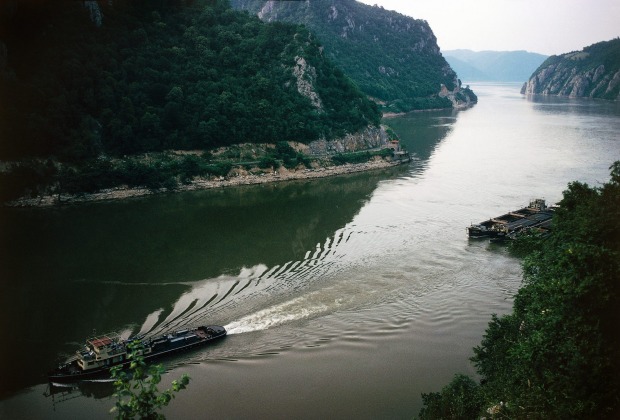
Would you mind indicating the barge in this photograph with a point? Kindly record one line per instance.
(535, 217)
(102, 353)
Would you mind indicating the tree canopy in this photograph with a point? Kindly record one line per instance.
(159, 75)
(392, 57)
(557, 355)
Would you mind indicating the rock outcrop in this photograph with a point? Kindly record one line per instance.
(460, 97)
(306, 80)
(370, 138)
(593, 72)
(95, 12)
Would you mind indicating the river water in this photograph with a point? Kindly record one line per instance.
(344, 297)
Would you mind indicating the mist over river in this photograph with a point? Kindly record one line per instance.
(344, 297)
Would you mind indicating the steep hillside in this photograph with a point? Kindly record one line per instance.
(593, 72)
(393, 58)
(93, 78)
(497, 66)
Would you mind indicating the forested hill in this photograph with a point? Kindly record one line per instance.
(593, 72)
(80, 79)
(393, 58)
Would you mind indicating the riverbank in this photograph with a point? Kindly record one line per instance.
(235, 178)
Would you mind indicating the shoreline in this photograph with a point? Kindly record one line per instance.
(389, 115)
(197, 184)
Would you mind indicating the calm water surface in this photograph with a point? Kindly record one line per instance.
(344, 297)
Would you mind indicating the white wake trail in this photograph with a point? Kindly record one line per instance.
(276, 315)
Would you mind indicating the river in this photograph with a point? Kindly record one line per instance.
(344, 297)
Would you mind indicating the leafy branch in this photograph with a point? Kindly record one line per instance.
(136, 389)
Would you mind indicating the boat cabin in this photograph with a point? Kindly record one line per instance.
(538, 204)
(102, 351)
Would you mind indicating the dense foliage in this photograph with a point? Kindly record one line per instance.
(605, 52)
(136, 390)
(392, 57)
(557, 355)
(159, 75)
(168, 170)
(460, 399)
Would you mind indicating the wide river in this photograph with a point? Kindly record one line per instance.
(345, 297)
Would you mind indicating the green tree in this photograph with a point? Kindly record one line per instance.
(156, 77)
(136, 390)
(461, 399)
(557, 355)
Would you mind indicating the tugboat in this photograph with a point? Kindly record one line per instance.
(102, 353)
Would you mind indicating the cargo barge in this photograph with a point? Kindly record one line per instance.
(102, 353)
(535, 217)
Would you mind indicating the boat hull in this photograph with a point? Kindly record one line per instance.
(71, 372)
(510, 225)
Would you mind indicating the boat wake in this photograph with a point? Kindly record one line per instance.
(271, 296)
(333, 276)
(276, 315)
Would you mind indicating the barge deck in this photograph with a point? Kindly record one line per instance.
(535, 217)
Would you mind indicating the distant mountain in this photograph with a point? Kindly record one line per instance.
(593, 72)
(392, 58)
(497, 66)
(466, 71)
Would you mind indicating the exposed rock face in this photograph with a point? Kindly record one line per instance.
(95, 12)
(267, 10)
(306, 77)
(370, 138)
(460, 98)
(591, 73)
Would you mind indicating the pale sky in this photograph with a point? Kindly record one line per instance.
(541, 26)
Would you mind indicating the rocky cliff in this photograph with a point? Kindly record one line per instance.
(593, 72)
(393, 58)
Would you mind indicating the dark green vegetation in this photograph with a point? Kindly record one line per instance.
(393, 58)
(136, 390)
(157, 171)
(592, 72)
(497, 66)
(359, 157)
(161, 75)
(558, 354)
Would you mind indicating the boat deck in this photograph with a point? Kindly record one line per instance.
(507, 226)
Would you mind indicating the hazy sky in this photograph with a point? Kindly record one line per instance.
(542, 26)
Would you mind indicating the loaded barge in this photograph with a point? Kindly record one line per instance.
(535, 217)
(102, 353)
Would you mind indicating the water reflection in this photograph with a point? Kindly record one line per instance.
(377, 292)
(421, 132)
(58, 393)
(115, 265)
(244, 257)
(561, 106)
